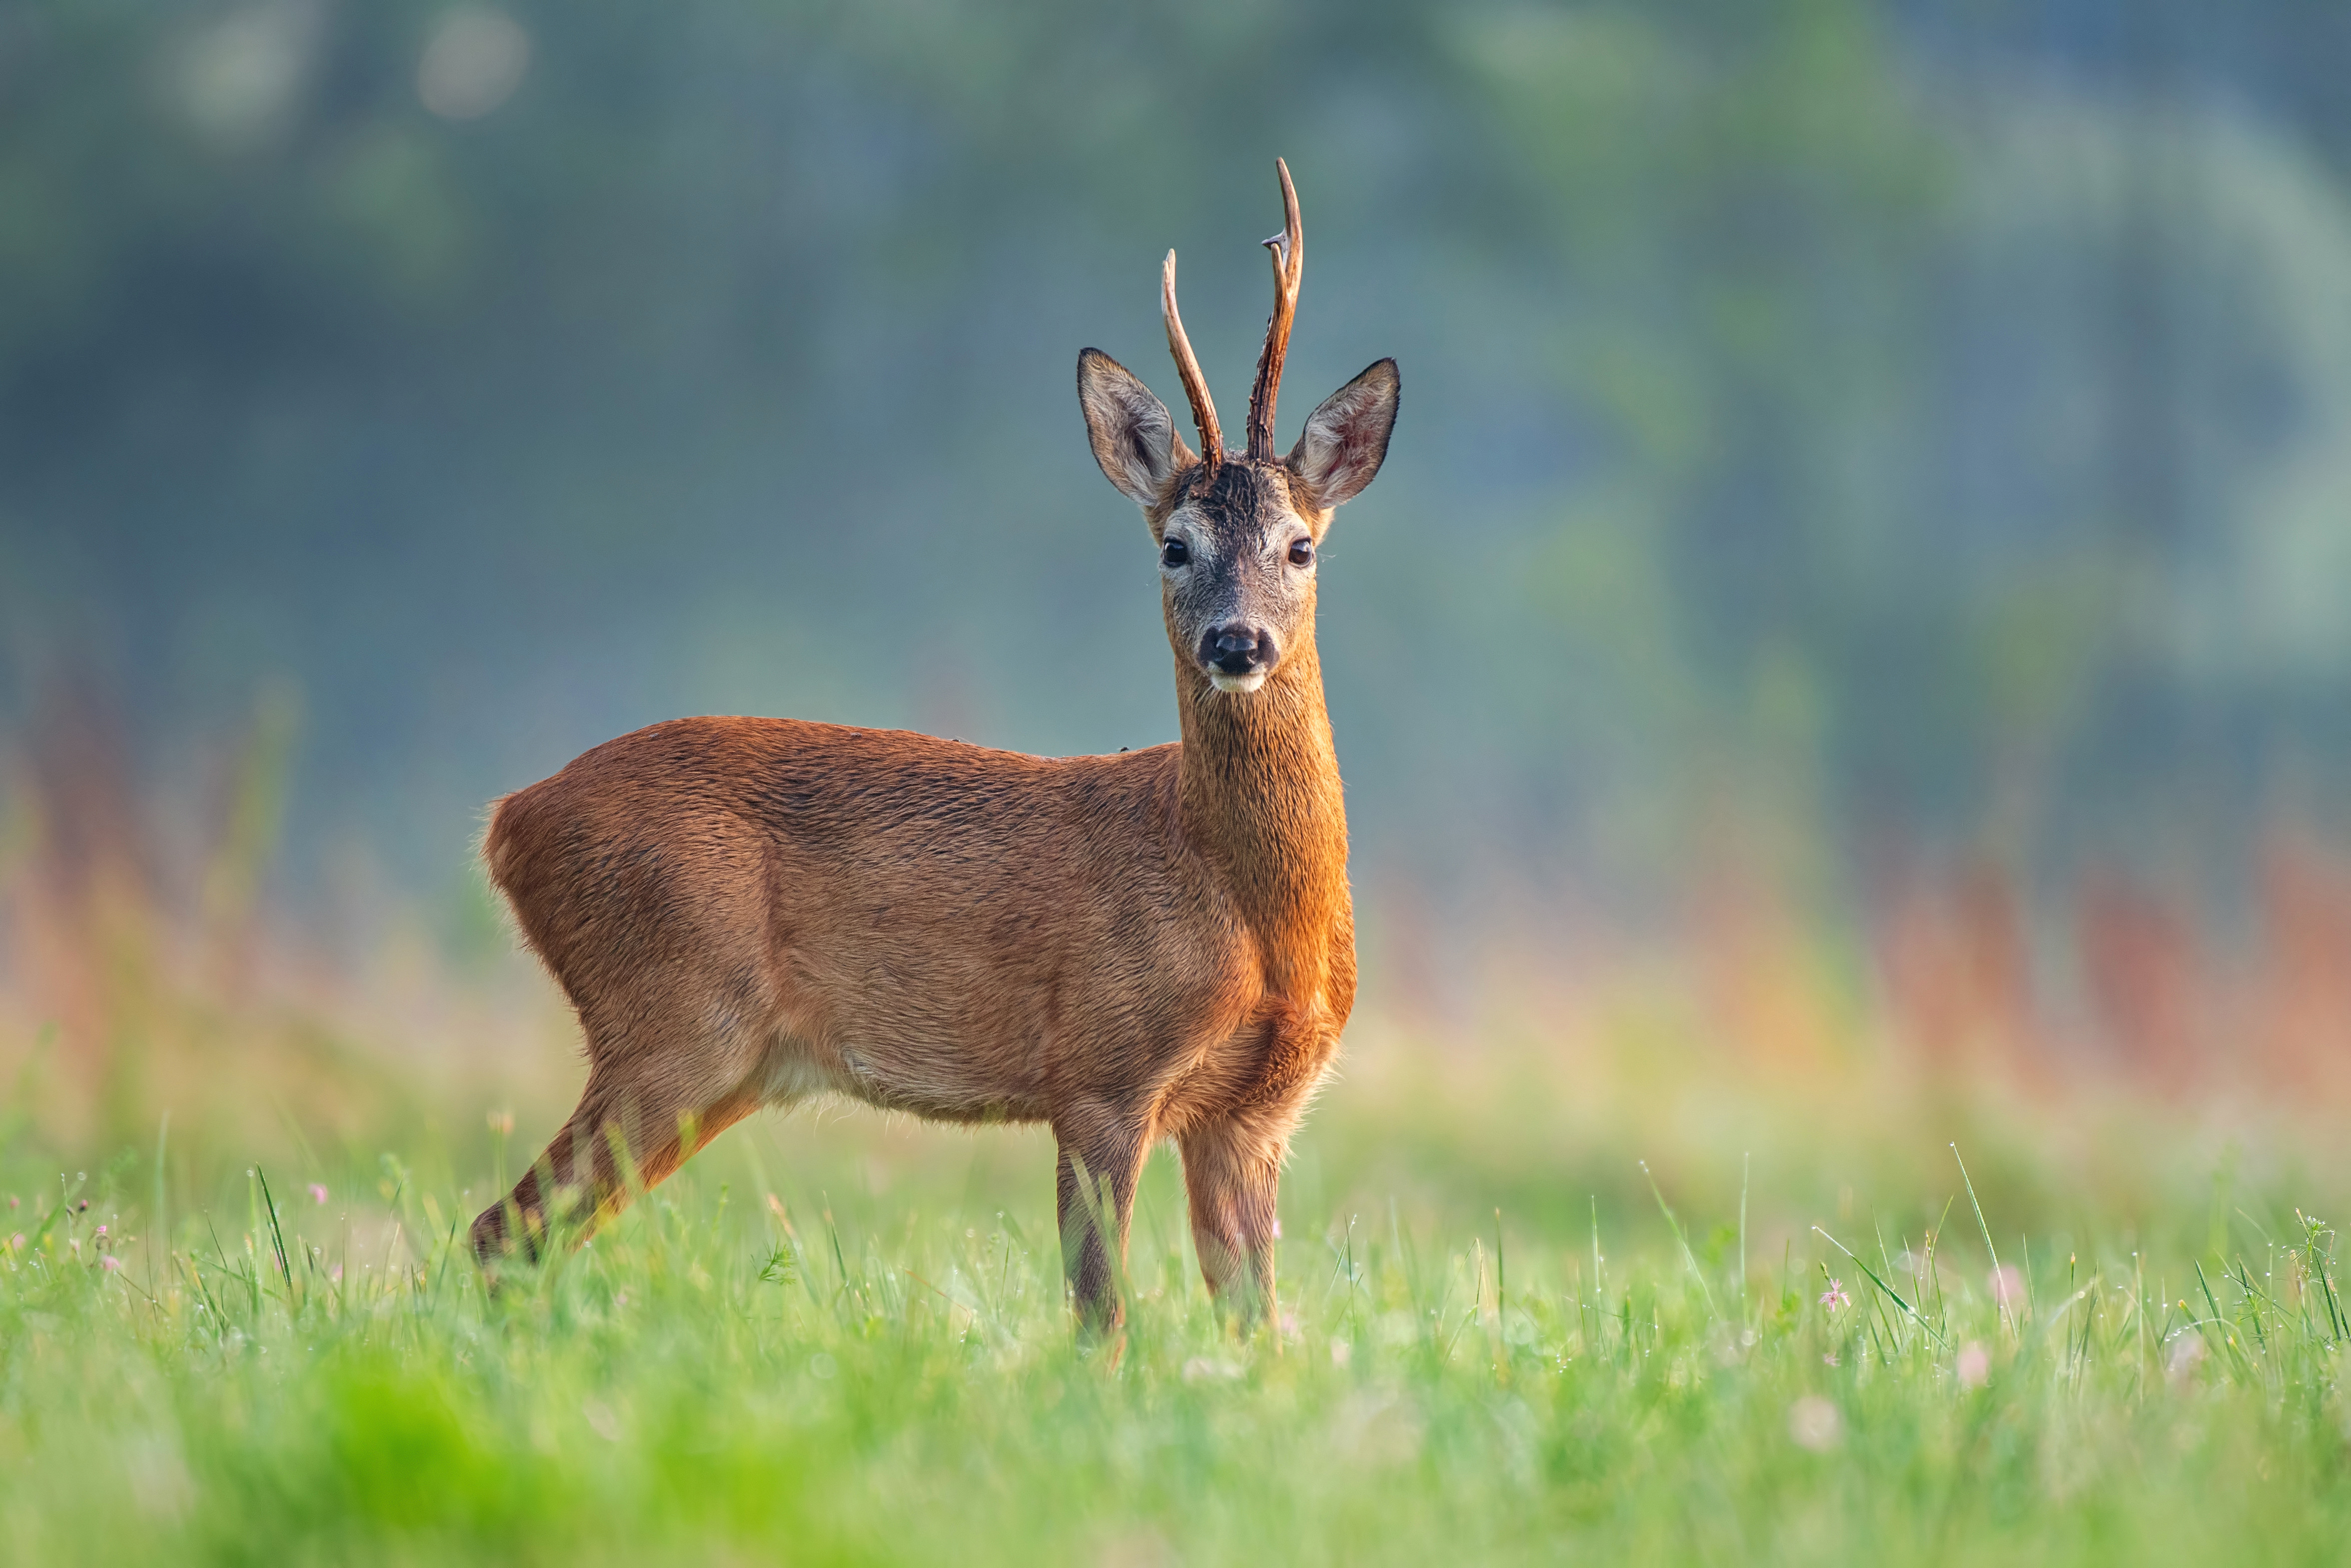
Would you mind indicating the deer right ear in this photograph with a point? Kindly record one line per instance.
(1134, 440)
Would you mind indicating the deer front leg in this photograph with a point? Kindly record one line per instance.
(1101, 1158)
(1232, 1172)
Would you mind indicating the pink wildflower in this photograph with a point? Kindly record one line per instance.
(110, 1263)
(1833, 1298)
(317, 1193)
(17, 1242)
(1815, 1424)
(101, 1232)
(1974, 1364)
(2007, 1286)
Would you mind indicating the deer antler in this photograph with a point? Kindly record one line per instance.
(1196, 385)
(1289, 248)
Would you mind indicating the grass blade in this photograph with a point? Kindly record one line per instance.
(1687, 1256)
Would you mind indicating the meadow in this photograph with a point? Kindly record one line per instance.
(1775, 1237)
(1576, 1289)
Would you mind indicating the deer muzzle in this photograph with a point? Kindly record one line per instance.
(1238, 655)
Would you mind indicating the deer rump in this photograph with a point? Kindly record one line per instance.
(749, 912)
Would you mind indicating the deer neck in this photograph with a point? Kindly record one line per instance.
(1258, 785)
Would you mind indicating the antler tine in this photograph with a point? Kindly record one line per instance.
(1289, 248)
(1196, 385)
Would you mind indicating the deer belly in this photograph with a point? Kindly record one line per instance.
(941, 1083)
(916, 1019)
(941, 1077)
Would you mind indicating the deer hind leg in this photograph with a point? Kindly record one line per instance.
(1102, 1154)
(655, 1108)
(1232, 1173)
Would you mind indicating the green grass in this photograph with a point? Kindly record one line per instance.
(897, 1381)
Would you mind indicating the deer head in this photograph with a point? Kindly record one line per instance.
(1238, 532)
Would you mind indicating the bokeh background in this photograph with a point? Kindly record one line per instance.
(1861, 591)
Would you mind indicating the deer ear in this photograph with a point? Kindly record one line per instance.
(1134, 439)
(1346, 439)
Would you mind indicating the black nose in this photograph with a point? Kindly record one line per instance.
(1237, 647)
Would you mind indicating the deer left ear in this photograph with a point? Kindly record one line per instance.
(1346, 439)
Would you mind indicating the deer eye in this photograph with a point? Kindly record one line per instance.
(1176, 552)
(1301, 552)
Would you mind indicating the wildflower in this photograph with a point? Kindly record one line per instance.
(101, 1233)
(1828, 1358)
(14, 1200)
(17, 1242)
(110, 1263)
(1814, 1424)
(2006, 1285)
(317, 1193)
(1974, 1364)
(1833, 1298)
(601, 1420)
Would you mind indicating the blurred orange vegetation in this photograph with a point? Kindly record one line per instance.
(142, 972)
(2140, 986)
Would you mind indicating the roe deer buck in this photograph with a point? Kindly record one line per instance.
(747, 912)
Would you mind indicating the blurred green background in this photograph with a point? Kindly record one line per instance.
(1848, 664)
(1872, 507)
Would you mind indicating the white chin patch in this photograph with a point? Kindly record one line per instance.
(1237, 683)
